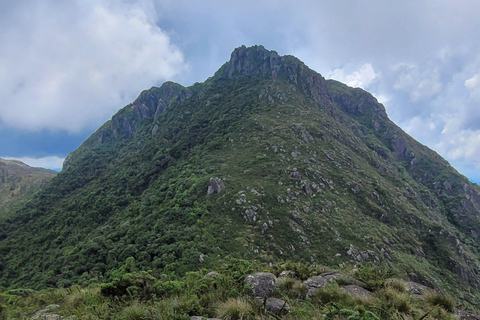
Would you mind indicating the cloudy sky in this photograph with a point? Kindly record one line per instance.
(67, 66)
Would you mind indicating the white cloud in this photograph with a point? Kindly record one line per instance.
(51, 162)
(71, 65)
(361, 78)
(420, 85)
(473, 82)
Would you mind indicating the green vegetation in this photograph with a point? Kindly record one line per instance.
(19, 181)
(315, 173)
(147, 295)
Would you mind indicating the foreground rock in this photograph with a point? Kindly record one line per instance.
(274, 305)
(262, 284)
(357, 292)
(203, 318)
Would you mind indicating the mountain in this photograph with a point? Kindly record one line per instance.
(18, 180)
(266, 160)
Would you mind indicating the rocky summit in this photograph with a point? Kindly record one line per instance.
(266, 161)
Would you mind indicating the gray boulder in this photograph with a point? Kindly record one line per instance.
(203, 318)
(356, 291)
(316, 282)
(274, 305)
(261, 284)
(216, 185)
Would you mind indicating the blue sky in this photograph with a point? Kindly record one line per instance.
(67, 67)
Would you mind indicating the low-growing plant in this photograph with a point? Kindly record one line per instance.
(396, 285)
(335, 312)
(437, 299)
(393, 299)
(331, 293)
(136, 311)
(372, 275)
(235, 309)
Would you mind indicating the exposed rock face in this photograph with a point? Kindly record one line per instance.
(361, 256)
(261, 284)
(259, 61)
(216, 185)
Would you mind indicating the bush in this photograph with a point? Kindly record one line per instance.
(396, 300)
(373, 276)
(442, 301)
(136, 312)
(235, 309)
(332, 293)
(396, 285)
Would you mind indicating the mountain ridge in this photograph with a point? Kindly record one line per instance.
(17, 180)
(313, 171)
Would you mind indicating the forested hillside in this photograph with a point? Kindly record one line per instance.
(265, 161)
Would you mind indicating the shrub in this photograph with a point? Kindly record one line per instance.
(373, 276)
(136, 312)
(395, 299)
(332, 293)
(436, 299)
(235, 309)
(396, 285)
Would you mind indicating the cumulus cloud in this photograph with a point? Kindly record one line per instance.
(361, 78)
(71, 65)
(51, 162)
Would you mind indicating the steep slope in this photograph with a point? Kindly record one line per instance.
(18, 180)
(313, 171)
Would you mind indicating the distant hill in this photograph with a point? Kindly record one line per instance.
(266, 160)
(18, 180)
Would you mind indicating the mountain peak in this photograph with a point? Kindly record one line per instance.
(258, 61)
(254, 60)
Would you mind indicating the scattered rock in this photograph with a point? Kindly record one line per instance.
(250, 215)
(295, 174)
(287, 274)
(360, 256)
(463, 315)
(216, 185)
(47, 313)
(261, 284)
(415, 288)
(203, 318)
(212, 274)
